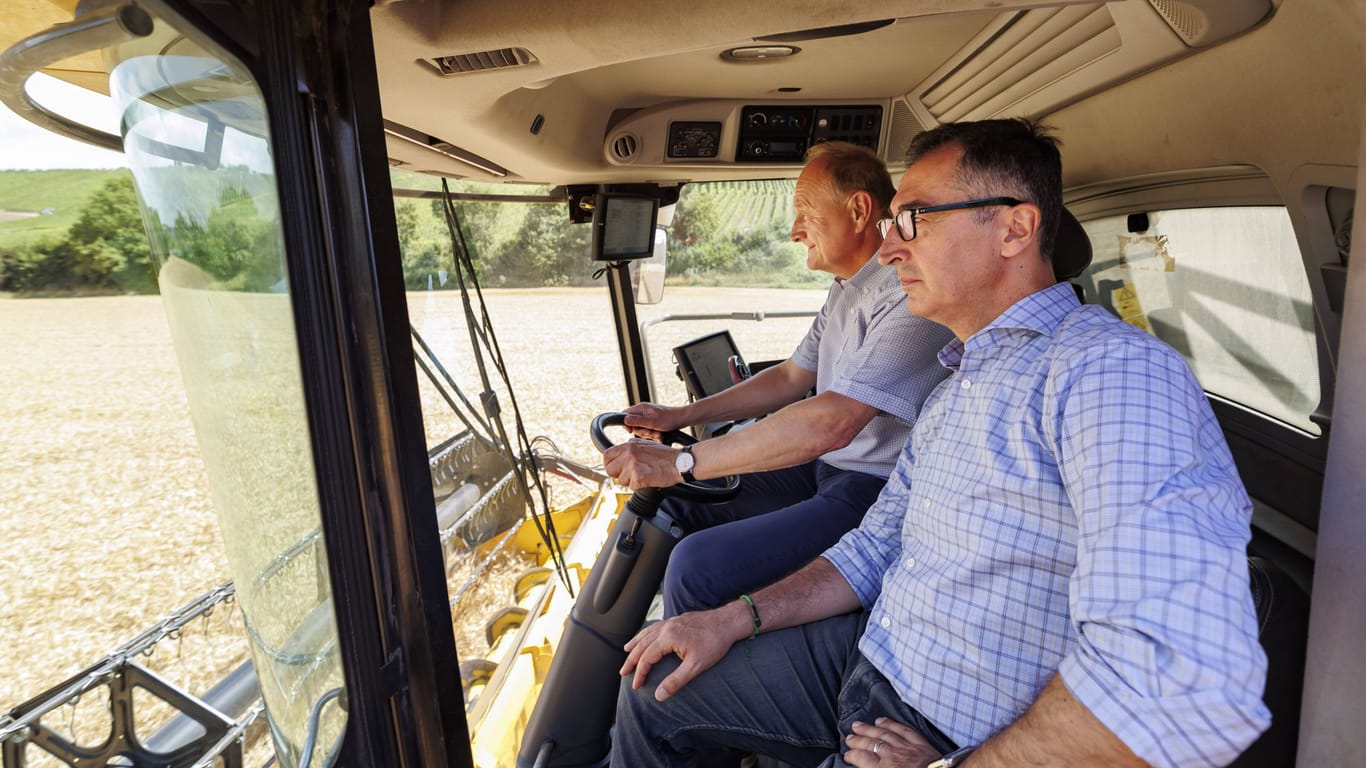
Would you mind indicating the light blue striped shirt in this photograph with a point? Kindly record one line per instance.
(866, 345)
(1066, 503)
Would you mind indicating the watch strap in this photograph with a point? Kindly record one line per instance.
(691, 461)
(953, 758)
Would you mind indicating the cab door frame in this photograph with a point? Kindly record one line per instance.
(314, 63)
(1335, 674)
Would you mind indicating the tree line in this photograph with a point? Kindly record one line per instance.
(107, 249)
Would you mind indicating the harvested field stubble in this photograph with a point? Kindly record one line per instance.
(105, 521)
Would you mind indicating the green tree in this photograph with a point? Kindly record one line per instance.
(235, 246)
(424, 259)
(65, 266)
(488, 230)
(110, 232)
(695, 238)
(547, 250)
(735, 233)
(9, 259)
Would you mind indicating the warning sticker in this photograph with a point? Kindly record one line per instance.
(1125, 301)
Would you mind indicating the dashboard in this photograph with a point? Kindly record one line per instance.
(776, 133)
(706, 133)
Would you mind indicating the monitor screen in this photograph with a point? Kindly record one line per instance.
(704, 363)
(624, 227)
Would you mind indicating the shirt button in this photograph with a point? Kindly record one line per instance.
(910, 563)
(966, 384)
(927, 503)
(886, 623)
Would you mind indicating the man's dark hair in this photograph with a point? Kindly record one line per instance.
(1014, 158)
(851, 168)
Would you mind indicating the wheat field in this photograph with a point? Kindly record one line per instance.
(105, 521)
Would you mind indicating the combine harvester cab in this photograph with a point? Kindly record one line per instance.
(1211, 149)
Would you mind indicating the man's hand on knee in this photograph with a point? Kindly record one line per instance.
(699, 639)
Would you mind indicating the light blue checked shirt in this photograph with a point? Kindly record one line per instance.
(866, 345)
(1066, 503)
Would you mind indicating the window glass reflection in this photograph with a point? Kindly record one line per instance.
(196, 140)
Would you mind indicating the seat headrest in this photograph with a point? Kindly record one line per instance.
(1071, 248)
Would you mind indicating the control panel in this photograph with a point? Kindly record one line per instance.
(694, 139)
(783, 134)
(714, 133)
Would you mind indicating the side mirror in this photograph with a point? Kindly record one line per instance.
(647, 275)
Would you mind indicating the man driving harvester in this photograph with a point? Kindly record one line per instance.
(813, 466)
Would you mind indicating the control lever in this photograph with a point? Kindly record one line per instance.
(739, 369)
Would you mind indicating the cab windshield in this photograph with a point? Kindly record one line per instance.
(194, 383)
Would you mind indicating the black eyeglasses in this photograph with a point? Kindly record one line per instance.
(905, 219)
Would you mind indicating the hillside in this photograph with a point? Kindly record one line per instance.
(63, 191)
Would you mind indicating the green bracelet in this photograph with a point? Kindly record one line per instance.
(754, 613)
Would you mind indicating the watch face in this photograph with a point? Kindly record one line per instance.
(684, 461)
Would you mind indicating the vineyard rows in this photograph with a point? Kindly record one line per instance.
(747, 206)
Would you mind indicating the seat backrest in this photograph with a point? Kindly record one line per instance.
(1071, 248)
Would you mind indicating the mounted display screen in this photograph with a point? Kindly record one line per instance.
(623, 226)
(704, 364)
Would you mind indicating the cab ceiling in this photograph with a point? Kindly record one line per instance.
(1279, 94)
(589, 66)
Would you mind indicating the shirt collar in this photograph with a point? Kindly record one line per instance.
(1041, 312)
(865, 276)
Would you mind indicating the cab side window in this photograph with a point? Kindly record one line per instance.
(1227, 288)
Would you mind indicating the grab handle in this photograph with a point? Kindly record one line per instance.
(92, 31)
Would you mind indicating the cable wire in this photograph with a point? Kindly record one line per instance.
(482, 337)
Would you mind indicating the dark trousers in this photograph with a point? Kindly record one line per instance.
(792, 694)
(781, 520)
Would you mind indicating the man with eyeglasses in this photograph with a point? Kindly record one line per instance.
(1055, 573)
(814, 465)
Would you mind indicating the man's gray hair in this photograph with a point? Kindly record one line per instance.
(851, 168)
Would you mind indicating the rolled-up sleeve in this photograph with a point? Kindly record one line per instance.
(1167, 654)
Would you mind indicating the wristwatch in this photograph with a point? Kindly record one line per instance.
(684, 462)
(953, 758)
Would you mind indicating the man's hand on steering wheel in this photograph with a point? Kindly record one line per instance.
(642, 464)
(650, 421)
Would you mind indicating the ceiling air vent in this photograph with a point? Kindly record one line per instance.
(905, 126)
(1009, 63)
(625, 147)
(481, 61)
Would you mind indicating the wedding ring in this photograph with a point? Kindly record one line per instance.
(876, 744)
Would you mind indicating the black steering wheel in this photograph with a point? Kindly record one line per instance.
(697, 490)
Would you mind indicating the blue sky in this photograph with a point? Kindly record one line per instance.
(24, 145)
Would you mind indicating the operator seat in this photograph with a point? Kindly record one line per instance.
(1283, 630)
(1071, 248)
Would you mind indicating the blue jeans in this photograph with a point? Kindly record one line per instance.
(781, 520)
(792, 694)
